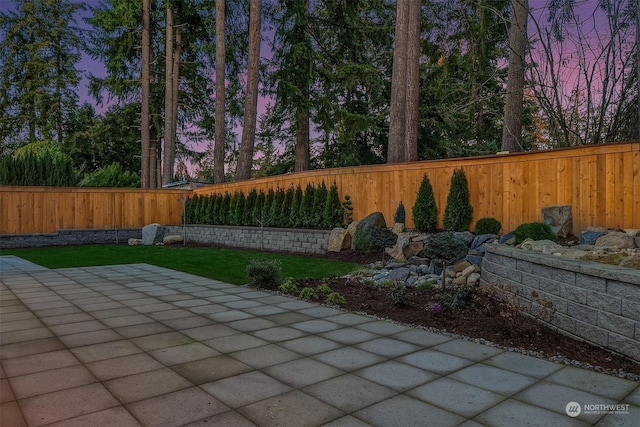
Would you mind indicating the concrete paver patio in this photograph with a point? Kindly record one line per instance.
(131, 345)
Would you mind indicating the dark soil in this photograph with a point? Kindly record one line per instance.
(484, 316)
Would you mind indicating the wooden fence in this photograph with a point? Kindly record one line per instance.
(601, 182)
(25, 210)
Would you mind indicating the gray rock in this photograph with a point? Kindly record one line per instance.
(399, 274)
(507, 236)
(480, 240)
(172, 240)
(543, 246)
(559, 218)
(589, 237)
(152, 234)
(418, 261)
(134, 242)
(466, 236)
(616, 239)
(393, 265)
(473, 279)
(474, 259)
(396, 251)
(362, 236)
(339, 239)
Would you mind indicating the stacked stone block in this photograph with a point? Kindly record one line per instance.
(596, 302)
(69, 237)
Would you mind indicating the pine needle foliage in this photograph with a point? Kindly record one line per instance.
(458, 211)
(425, 212)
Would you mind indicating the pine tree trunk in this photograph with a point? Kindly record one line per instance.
(512, 131)
(245, 158)
(397, 113)
(169, 149)
(145, 125)
(176, 88)
(302, 134)
(218, 149)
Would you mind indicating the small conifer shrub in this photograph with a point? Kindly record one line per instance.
(458, 212)
(264, 273)
(488, 226)
(400, 215)
(425, 212)
(534, 231)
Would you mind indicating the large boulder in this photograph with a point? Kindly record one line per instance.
(616, 240)
(589, 237)
(351, 229)
(559, 218)
(152, 234)
(396, 251)
(339, 239)
(362, 236)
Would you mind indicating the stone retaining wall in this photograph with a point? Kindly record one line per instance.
(270, 239)
(596, 302)
(69, 237)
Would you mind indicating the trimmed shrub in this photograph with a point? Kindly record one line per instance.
(264, 273)
(333, 211)
(252, 198)
(534, 231)
(425, 212)
(458, 212)
(488, 226)
(294, 215)
(276, 208)
(266, 208)
(256, 214)
(317, 208)
(285, 213)
(306, 205)
(113, 175)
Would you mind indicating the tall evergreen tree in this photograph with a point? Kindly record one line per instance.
(39, 50)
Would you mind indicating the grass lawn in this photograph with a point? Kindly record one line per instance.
(227, 265)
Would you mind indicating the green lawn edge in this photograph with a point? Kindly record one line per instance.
(227, 265)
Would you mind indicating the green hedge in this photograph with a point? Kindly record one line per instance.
(315, 207)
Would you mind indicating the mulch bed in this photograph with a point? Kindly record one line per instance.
(483, 317)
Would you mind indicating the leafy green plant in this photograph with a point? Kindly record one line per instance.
(425, 212)
(400, 215)
(319, 203)
(488, 226)
(324, 289)
(383, 238)
(460, 297)
(534, 231)
(458, 211)
(398, 293)
(264, 273)
(443, 248)
(113, 175)
(308, 293)
(288, 286)
(335, 298)
(306, 205)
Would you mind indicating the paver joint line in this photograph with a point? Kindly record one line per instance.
(135, 344)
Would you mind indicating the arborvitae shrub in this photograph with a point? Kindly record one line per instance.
(534, 231)
(285, 213)
(224, 209)
(333, 210)
(189, 209)
(425, 212)
(238, 213)
(215, 213)
(306, 205)
(400, 215)
(252, 198)
(294, 216)
(276, 208)
(201, 209)
(458, 212)
(317, 208)
(266, 211)
(256, 215)
(488, 226)
(208, 209)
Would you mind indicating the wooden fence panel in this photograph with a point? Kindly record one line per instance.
(601, 182)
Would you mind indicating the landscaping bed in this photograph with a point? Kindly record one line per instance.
(485, 316)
